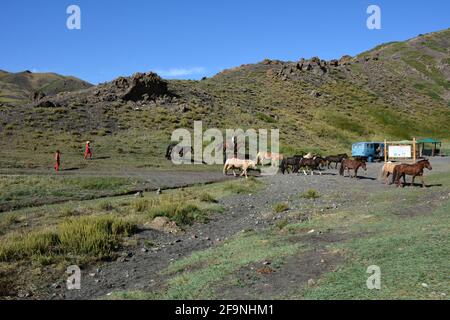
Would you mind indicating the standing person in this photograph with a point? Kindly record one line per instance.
(58, 160)
(88, 151)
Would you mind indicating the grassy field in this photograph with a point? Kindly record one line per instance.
(400, 231)
(52, 236)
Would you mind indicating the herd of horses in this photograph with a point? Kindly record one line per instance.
(401, 170)
(315, 163)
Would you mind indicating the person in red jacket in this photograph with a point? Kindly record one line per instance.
(57, 160)
(88, 151)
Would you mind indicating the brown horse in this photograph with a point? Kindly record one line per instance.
(351, 164)
(336, 159)
(311, 164)
(413, 170)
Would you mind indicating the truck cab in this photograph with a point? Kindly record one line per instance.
(368, 151)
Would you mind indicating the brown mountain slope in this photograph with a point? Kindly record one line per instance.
(21, 86)
(395, 91)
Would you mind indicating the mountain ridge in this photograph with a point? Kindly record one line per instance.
(397, 90)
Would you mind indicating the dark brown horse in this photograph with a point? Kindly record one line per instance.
(351, 165)
(336, 159)
(311, 164)
(413, 170)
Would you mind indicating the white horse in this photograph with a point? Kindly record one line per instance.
(274, 158)
(235, 163)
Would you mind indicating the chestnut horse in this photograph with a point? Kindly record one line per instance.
(413, 170)
(351, 164)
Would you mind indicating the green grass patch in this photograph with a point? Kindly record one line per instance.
(281, 207)
(310, 194)
(93, 237)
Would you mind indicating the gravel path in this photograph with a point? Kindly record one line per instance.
(138, 269)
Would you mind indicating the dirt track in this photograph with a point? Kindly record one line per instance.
(139, 270)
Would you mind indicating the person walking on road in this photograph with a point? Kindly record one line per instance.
(88, 150)
(57, 160)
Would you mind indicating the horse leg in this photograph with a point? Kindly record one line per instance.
(423, 181)
(304, 172)
(356, 173)
(234, 172)
(412, 181)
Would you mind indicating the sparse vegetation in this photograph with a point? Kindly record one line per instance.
(94, 237)
(280, 207)
(310, 194)
(206, 197)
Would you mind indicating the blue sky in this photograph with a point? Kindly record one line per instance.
(191, 39)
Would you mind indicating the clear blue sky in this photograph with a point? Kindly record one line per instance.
(195, 38)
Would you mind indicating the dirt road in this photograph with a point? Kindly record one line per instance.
(138, 269)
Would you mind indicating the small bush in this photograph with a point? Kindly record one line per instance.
(105, 205)
(95, 236)
(140, 205)
(181, 213)
(281, 224)
(264, 117)
(310, 194)
(247, 186)
(206, 197)
(281, 207)
(19, 246)
(90, 236)
(8, 220)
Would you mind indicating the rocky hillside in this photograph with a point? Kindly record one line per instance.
(395, 91)
(24, 86)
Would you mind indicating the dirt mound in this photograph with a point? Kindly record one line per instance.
(163, 224)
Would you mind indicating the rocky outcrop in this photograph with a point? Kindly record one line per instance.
(140, 86)
(37, 95)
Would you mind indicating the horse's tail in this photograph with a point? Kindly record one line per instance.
(341, 169)
(225, 167)
(382, 172)
(283, 166)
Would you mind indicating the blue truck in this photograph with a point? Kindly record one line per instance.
(368, 151)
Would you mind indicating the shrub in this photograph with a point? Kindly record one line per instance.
(206, 197)
(249, 185)
(91, 236)
(105, 205)
(181, 213)
(19, 246)
(280, 207)
(310, 194)
(95, 236)
(281, 224)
